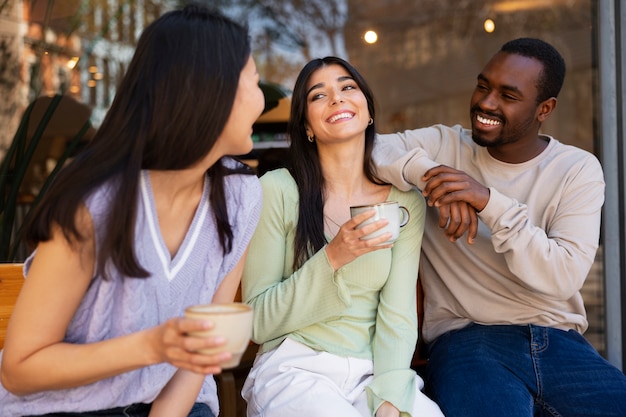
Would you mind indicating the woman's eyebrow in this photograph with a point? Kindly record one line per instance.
(318, 85)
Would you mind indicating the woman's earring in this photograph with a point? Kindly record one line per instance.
(370, 122)
(310, 138)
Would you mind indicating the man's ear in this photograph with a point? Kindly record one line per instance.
(545, 109)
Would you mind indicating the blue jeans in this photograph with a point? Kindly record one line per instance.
(522, 371)
(133, 410)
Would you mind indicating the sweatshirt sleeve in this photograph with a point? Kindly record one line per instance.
(402, 158)
(396, 323)
(285, 300)
(554, 255)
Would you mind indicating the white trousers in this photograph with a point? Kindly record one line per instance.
(296, 381)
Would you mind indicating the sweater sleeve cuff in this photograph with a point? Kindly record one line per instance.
(397, 387)
(496, 206)
(338, 280)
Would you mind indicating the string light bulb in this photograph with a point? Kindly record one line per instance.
(489, 25)
(370, 37)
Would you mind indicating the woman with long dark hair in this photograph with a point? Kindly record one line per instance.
(335, 314)
(152, 217)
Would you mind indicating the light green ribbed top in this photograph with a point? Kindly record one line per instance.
(366, 309)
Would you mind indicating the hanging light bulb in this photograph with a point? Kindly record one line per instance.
(489, 25)
(370, 36)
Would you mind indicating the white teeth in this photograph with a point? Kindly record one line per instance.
(485, 121)
(340, 116)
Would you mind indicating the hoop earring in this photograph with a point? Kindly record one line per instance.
(310, 138)
(370, 122)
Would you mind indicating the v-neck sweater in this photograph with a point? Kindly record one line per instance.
(122, 305)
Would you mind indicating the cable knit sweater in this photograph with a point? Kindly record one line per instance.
(122, 305)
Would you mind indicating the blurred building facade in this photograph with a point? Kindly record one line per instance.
(75, 47)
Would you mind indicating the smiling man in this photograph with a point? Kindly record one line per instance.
(504, 316)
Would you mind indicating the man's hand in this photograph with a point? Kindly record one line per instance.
(457, 218)
(458, 197)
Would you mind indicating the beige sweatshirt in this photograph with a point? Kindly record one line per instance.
(537, 236)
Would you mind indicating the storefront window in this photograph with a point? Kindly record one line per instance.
(427, 54)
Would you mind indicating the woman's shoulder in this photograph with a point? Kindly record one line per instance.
(99, 200)
(411, 198)
(244, 184)
(278, 175)
(279, 189)
(278, 179)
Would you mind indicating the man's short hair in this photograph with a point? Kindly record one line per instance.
(551, 80)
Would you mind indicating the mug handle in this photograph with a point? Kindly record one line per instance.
(405, 216)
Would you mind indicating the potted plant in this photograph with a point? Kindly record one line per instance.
(18, 160)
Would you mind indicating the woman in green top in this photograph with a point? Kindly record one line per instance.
(335, 314)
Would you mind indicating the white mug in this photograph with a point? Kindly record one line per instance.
(232, 321)
(396, 215)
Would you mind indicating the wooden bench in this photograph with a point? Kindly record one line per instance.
(11, 280)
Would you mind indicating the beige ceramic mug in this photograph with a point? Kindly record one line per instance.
(232, 321)
(396, 215)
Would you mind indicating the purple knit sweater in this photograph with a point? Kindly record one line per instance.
(121, 306)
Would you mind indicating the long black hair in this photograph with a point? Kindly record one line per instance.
(168, 112)
(305, 164)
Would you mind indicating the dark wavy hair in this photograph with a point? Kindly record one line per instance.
(305, 164)
(168, 112)
(551, 80)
